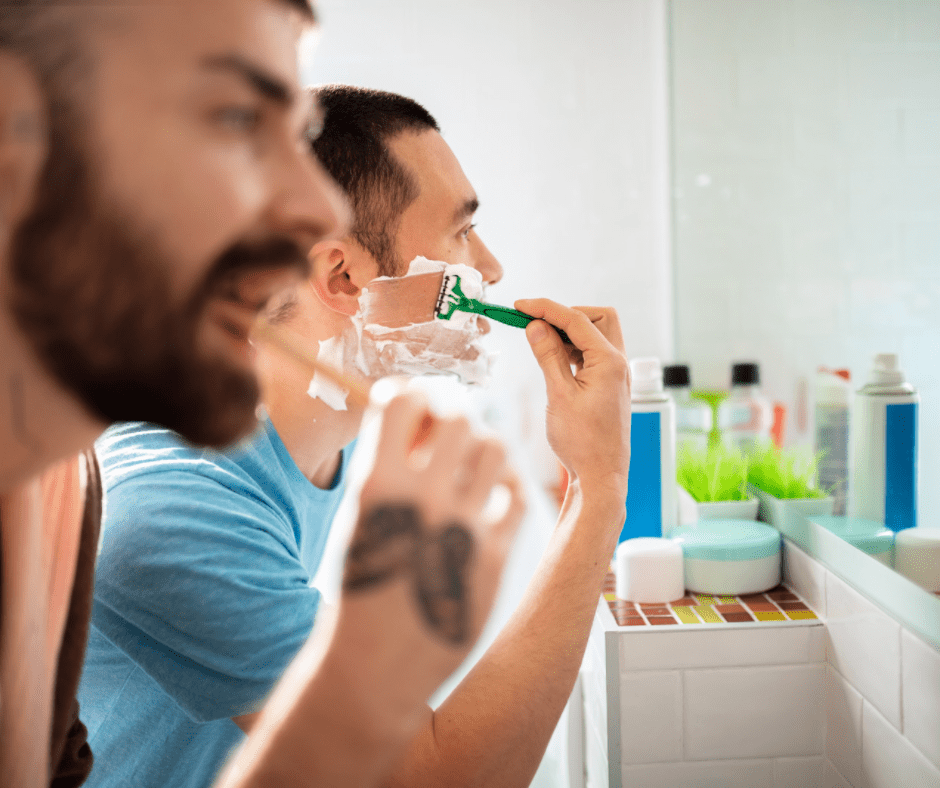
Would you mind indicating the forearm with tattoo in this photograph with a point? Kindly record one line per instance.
(392, 542)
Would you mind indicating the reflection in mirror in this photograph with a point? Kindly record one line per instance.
(806, 177)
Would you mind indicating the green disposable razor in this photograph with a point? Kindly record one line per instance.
(452, 299)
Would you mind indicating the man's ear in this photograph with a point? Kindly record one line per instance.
(23, 138)
(340, 271)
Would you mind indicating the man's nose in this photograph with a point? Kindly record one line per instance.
(309, 204)
(487, 264)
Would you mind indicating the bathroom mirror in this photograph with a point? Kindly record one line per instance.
(806, 198)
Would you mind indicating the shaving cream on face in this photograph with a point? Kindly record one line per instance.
(321, 387)
(432, 347)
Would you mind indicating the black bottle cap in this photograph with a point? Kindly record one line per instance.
(745, 374)
(675, 375)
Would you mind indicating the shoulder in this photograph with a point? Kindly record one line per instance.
(154, 481)
(147, 460)
(129, 450)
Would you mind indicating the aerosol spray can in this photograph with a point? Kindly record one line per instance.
(651, 494)
(884, 447)
(833, 408)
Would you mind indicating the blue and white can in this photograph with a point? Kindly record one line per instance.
(883, 476)
(652, 505)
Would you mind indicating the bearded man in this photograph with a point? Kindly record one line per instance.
(156, 190)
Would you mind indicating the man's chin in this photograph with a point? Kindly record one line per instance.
(418, 351)
(214, 407)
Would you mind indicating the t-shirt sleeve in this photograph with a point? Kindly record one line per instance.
(202, 586)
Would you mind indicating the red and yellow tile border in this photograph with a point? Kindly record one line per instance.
(778, 604)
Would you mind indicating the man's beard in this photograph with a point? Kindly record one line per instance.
(90, 288)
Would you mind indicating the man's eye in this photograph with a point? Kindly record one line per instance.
(466, 233)
(239, 119)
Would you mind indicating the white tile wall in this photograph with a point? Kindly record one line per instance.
(843, 726)
(595, 690)
(595, 761)
(833, 779)
(799, 772)
(651, 717)
(718, 774)
(866, 748)
(745, 646)
(865, 647)
(805, 576)
(836, 734)
(888, 759)
(754, 712)
(920, 693)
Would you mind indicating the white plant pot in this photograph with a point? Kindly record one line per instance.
(773, 510)
(728, 510)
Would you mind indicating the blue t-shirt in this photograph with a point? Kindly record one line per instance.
(202, 599)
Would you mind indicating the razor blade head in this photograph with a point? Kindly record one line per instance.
(449, 298)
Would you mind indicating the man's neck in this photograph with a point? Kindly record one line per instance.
(314, 434)
(40, 422)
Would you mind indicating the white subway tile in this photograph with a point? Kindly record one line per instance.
(865, 647)
(843, 726)
(651, 717)
(806, 576)
(920, 688)
(595, 761)
(832, 778)
(754, 712)
(701, 774)
(888, 759)
(799, 772)
(707, 647)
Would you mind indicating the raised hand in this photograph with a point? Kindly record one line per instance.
(425, 559)
(438, 508)
(588, 416)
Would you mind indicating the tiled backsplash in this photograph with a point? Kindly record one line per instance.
(730, 704)
(849, 700)
(882, 687)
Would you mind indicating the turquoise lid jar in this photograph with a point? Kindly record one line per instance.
(728, 540)
(729, 556)
(867, 535)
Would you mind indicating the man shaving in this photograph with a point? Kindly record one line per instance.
(187, 640)
(156, 189)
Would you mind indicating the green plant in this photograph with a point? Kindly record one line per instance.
(785, 473)
(718, 473)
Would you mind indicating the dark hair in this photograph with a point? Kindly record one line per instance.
(353, 147)
(48, 34)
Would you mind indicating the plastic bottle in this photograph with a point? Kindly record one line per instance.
(651, 496)
(833, 402)
(883, 465)
(693, 417)
(746, 416)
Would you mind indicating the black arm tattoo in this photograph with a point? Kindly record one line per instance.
(392, 542)
(385, 547)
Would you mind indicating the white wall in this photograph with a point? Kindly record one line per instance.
(557, 112)
(807, 177)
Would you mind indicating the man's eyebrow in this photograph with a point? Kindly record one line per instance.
(268, 85)
(469, 207)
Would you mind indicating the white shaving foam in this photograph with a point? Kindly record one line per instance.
(433, 347)
(321, 387)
